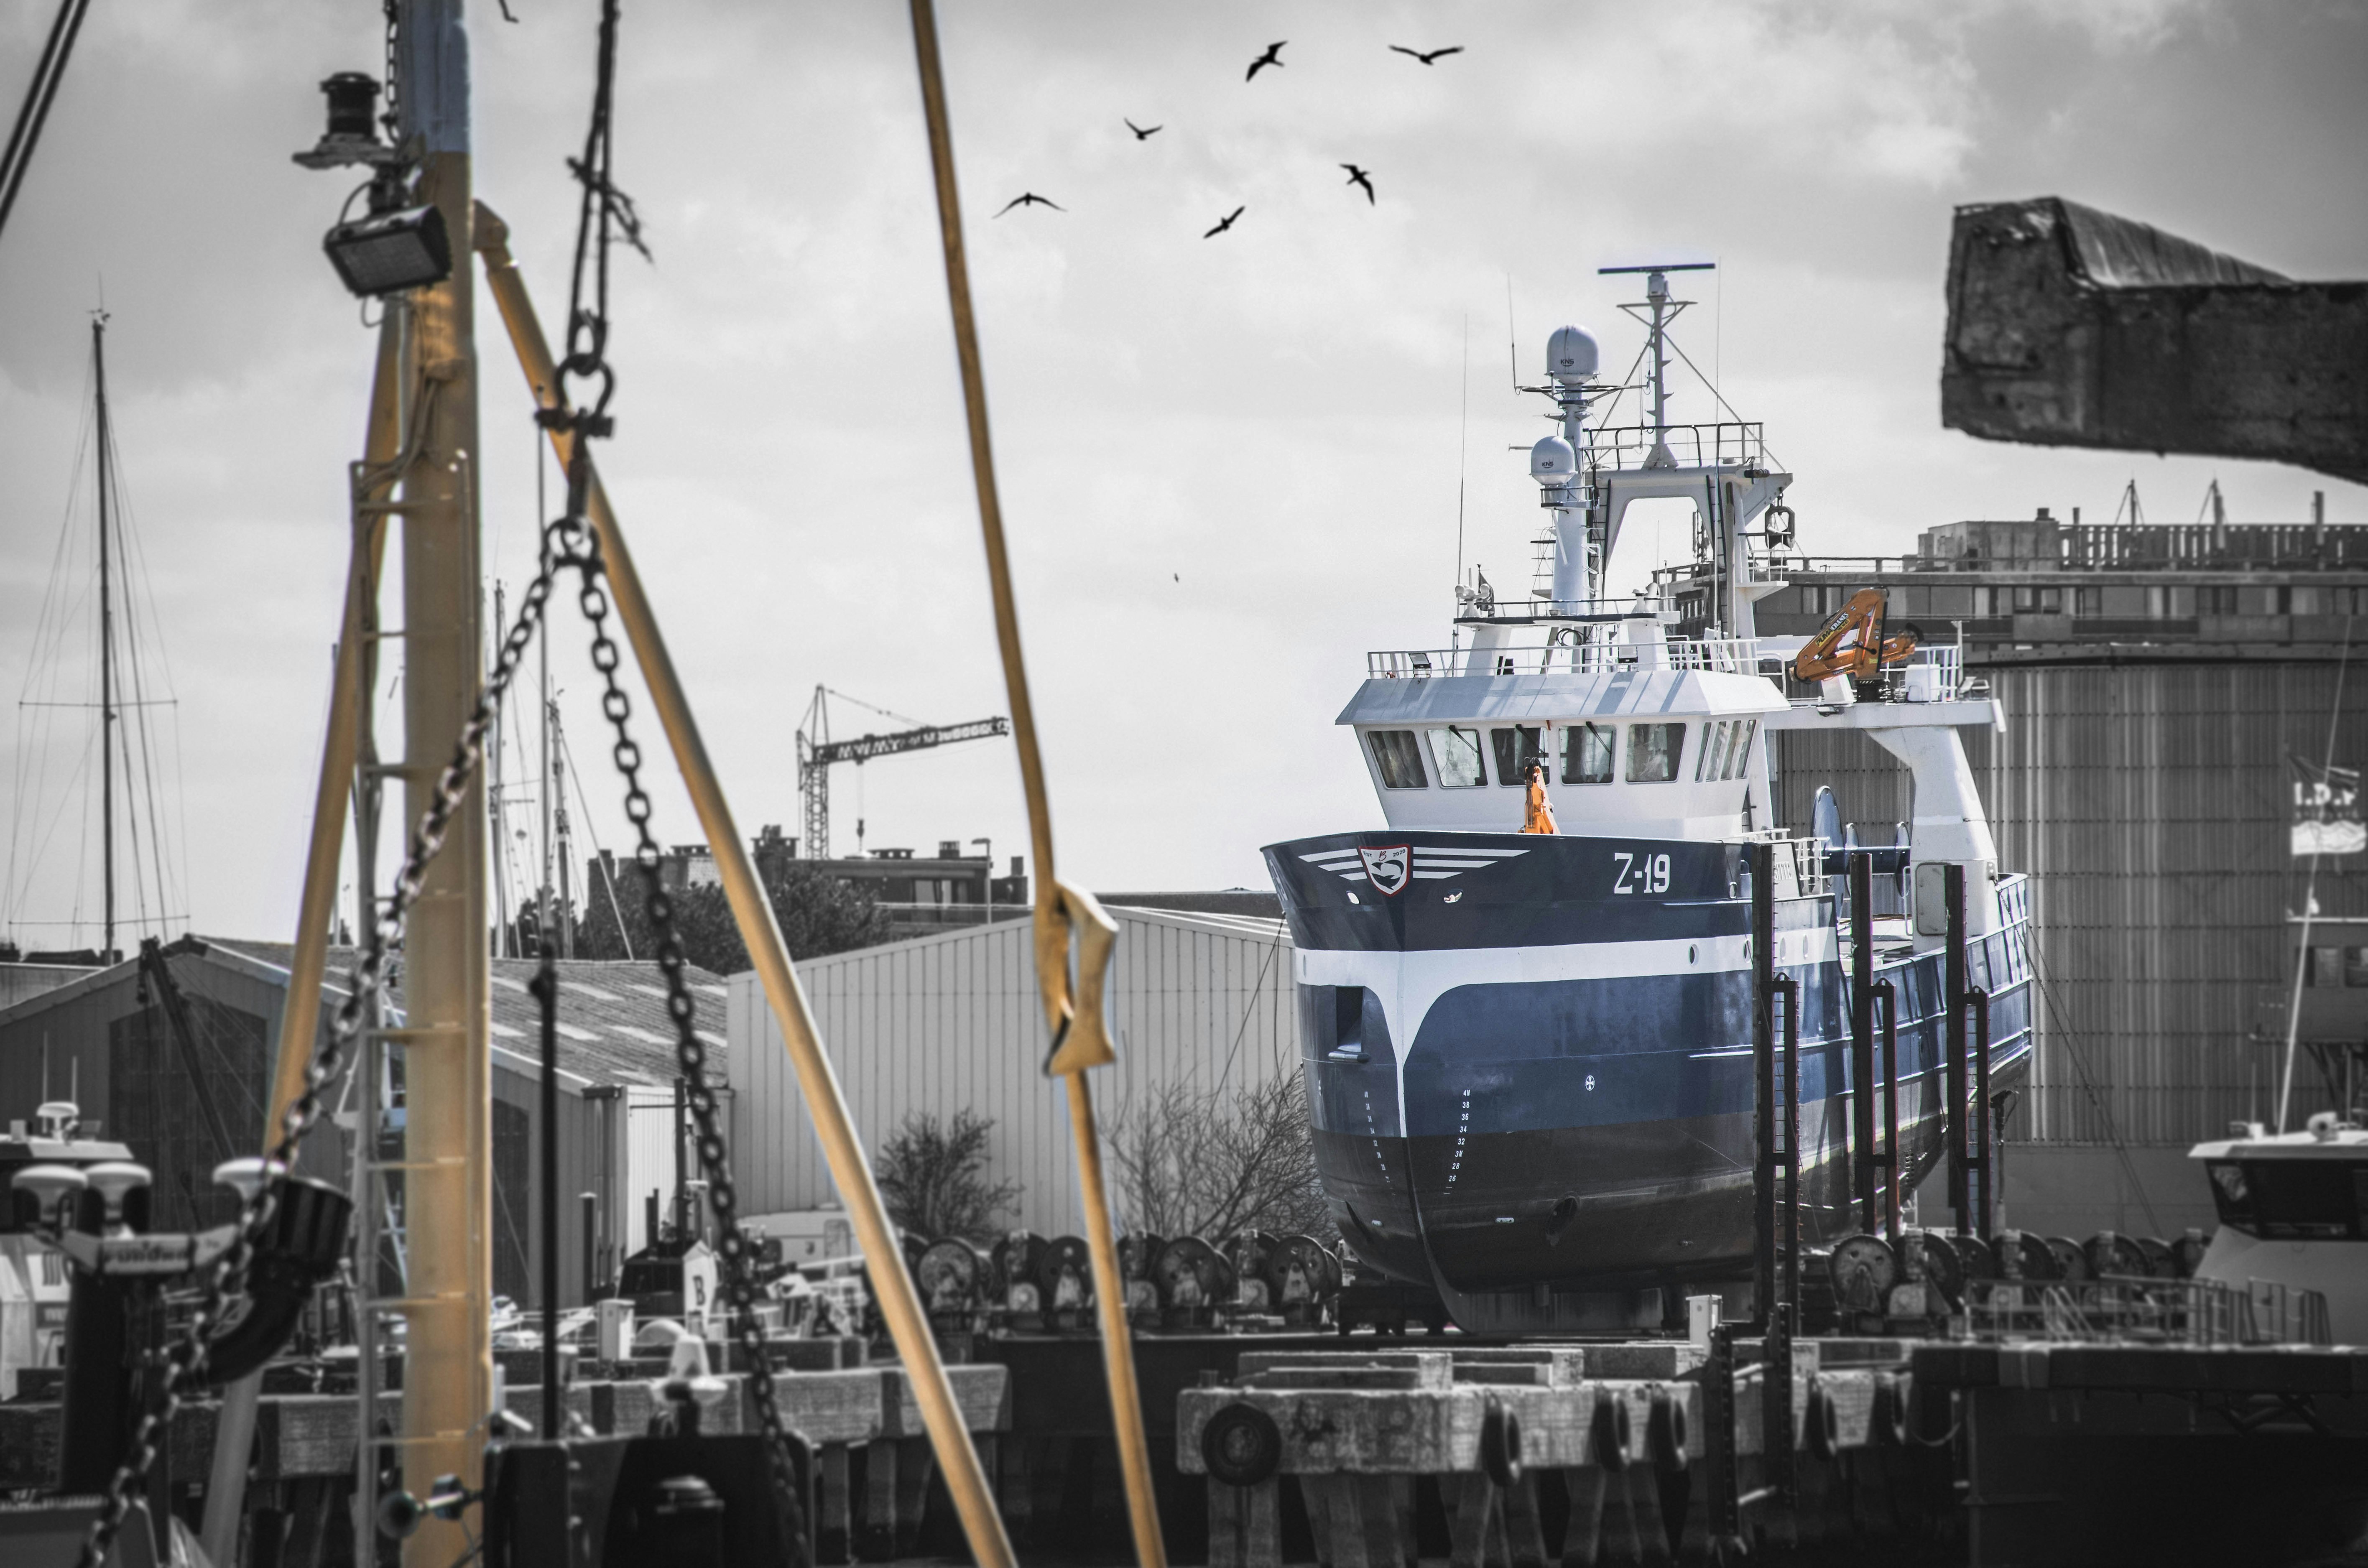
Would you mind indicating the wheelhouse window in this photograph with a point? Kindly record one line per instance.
(1739, 751)
(1516, 748)
(1586, 754)
(2293, 1199)
(1399, 759)
(1456, 753)
(1653, 753)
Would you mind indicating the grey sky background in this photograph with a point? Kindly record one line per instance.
(1229, 466)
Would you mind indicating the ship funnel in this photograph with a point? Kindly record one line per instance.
(1572, 355)
(1553, 463)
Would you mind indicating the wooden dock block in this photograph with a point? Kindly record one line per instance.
(982, 1390)
(1245, 1525)
(1550, 1366)
(1400, 1369)
(1425, 1432)
(826, 1407)
(1661, 1361)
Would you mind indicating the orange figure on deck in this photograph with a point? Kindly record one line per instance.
(1540, 817)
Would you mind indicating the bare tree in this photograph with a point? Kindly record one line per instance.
(1209, 1162)
(932, 1178)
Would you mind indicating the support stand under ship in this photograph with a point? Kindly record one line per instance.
(1529, 1052)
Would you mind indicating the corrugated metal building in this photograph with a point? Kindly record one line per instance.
(947, 1023)
(2155, 683)
(102, 1041)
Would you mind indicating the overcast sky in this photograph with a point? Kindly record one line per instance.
(1230, 466)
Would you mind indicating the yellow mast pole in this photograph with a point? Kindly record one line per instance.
(447, 1072)
(1080, 1038)
(899, 1304)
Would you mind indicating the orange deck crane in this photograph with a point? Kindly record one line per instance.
(1852, 642)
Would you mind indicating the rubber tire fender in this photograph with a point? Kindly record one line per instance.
(1889, 1422)
(1500, 1444)
(1665, 1432)
(1609, 1434)
(1823, 1436)
(1241, 1445)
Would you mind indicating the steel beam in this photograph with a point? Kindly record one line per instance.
(2071, 327)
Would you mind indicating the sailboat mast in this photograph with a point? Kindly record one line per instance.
(106, 650)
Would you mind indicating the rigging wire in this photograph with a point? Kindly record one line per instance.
(34, 113)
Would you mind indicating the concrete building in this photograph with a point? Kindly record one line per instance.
(950, 1022)
(2157, 683)
(919, 894)
(103, 1040)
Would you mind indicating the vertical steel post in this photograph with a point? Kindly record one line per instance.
(1762, 860)
(591, 1203)
(1860, 869)
(106, 652)
(448, 1070)
(1893, 1163)
(1952, 1092)
(1790, 1086)
(546, 990)
(1981, 1005)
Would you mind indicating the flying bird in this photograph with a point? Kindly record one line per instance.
(1418, 55)
(1225, 223)
(1141, 134)
(1272, 57)
(1358, 176)
(1028, 198)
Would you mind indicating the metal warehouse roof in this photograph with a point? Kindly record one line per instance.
(613, 1026)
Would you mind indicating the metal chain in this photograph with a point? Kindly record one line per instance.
(392, 116)
(185, 1362)
(690, 1052)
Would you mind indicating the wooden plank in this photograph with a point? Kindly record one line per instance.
(1475, 1522)
(1525, 1535)
(1582, 1537)
(834, 1541)
(1245, 1525)
(1324, 1430)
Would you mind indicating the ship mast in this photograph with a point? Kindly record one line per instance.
(106, 652)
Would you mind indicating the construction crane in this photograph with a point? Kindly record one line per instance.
(817, 751)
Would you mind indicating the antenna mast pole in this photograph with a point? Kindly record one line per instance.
(106, 653)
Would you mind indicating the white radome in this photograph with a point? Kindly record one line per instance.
(1551, 461)
(1571, 355)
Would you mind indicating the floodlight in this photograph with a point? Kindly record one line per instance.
(387, 252)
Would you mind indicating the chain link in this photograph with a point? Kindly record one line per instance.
(392, 117)
(185, 1362)
(690, 1052)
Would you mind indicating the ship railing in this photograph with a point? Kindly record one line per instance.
(1934, 673)
(1692, 445)
(2126, 1310)
(1734, 655)
(1800, 863)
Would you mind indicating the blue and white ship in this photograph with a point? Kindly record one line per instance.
(1528, 1054)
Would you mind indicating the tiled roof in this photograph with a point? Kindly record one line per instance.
(613, 1022)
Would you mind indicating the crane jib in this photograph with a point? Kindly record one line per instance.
(865, 748)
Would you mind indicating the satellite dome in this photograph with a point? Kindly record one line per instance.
(1551, 461)
(1571, 355)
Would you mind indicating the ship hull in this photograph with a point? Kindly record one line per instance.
(1523, 1079)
